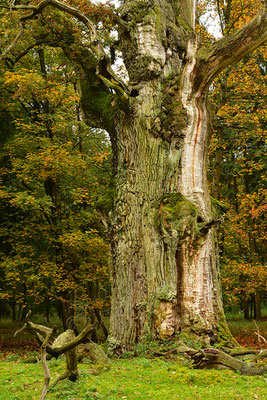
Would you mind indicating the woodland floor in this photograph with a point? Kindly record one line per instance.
(139, 378)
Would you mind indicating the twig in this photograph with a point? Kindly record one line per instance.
(259, 335)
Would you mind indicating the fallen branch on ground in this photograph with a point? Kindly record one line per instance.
(66, 343)
(218, 359)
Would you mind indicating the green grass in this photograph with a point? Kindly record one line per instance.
(236, 314)
(137, 378)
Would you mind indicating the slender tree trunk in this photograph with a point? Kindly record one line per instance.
(47, 309)
(63, 314)
(257, 305)
(246, 308)
(101, 323)
(217, 173)
(252, 307)
(13, 310)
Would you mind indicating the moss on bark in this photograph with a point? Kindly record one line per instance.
(224, 336)
(178, 214)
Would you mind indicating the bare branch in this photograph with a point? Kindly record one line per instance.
(118, 20)
(44, 330)
(49, 350)
(230, 49)
(259, 336)
(65, 375)
(47, 375)
(18, 7)
(14, 43)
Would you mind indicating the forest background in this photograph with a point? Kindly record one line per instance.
(56, 176)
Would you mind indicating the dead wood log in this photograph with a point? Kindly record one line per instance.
(93, 352)
(66, 343)
(217, 359)
(243, 352)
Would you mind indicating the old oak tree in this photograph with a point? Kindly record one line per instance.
(162, 225)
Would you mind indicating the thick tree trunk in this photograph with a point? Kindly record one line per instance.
(165, 271)
(217, 172)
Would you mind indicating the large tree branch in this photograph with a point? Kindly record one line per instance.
(97, 76)
(36, 10)
(229, 49)
(41, 329)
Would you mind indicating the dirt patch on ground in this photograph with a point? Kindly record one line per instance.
(22, 343)
(25, 341)
(250, 341)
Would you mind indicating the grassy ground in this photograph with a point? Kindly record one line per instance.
(137, 378)
(132, 378)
